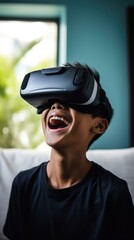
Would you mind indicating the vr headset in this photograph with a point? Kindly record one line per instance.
(72, 85)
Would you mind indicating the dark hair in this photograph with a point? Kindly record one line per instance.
(104, 108)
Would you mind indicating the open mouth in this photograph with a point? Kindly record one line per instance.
(56, 122)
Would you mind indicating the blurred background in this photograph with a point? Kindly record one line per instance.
(37, 34)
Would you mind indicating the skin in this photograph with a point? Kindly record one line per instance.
(68, 163)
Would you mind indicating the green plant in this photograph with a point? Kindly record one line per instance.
(19, 123)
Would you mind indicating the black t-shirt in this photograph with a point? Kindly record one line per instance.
(97, 208)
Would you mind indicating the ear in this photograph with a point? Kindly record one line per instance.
(100, 126)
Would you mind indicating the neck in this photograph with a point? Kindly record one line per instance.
(66, 168)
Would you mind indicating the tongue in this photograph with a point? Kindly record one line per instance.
(56, 123)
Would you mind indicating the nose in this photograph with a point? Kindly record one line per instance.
(58, 105)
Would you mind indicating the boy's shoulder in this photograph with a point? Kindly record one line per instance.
(106, 174)
(109, 182)
(30, 175)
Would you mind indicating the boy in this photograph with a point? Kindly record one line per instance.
(71, 197)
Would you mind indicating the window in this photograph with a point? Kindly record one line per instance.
(31, 37)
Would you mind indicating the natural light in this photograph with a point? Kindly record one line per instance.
(16, 35)
(24, 46)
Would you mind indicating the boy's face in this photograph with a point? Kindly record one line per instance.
(64, 127)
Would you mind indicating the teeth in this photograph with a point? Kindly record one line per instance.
(60, 118)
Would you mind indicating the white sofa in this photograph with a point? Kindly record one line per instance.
(119, 161)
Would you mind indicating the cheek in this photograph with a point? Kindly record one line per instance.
(43, 120)
(79, 128)
(43, 124)
(82, 127)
